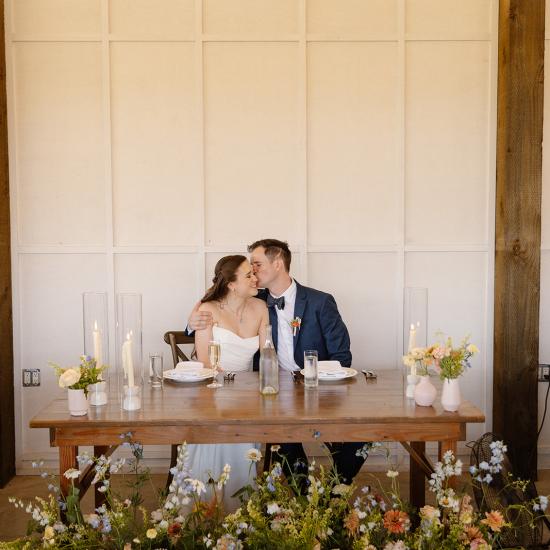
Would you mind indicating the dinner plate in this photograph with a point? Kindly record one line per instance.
(334, 374)
(191, 375)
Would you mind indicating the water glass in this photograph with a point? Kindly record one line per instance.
(311, 372)
(156, 376)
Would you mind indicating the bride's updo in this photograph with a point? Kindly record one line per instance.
(225, 272)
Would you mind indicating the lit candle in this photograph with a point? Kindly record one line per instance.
(412, 344)
(412, 338)
(97, 347)
(127, 362)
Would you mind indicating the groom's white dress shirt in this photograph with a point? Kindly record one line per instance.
(285, 337)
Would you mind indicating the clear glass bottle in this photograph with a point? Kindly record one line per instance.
(269, 366)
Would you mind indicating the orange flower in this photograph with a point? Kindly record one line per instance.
(494, 520)
(473, 533)
(351, 523)
(396, 521)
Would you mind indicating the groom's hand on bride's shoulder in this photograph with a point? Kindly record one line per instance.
(199, 320)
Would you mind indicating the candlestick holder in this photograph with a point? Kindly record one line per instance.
(129, 355)
(415, 331)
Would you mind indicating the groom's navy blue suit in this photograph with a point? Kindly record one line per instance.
(321, 326)
(321, 329)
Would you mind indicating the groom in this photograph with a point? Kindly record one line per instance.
(319, 326)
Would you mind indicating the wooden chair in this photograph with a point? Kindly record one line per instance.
(176, 338)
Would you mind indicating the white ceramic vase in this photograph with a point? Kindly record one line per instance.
(450, 397)
(424, 392)
(98, 393)
(78, 403)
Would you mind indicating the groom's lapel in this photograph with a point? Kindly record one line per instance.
(299, 308)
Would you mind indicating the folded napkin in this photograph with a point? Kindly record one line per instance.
(189, 366)
(329, 366)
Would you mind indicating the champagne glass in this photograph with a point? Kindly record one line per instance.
(214, 354)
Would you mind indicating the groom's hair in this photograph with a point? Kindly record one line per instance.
(274, 249)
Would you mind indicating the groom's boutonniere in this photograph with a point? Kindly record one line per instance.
(296, 323)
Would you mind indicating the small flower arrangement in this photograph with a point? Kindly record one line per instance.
(417, 361)
(451, 362)
(80, 377)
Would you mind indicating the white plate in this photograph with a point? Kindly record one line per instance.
(336, 374)
(184, 375)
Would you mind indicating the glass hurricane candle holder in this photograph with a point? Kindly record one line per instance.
(415, 331)
(95, 321)
(129, 352)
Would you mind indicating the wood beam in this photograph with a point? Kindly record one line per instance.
(517, 228)
(7, 419)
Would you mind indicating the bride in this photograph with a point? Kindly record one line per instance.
(239, 321)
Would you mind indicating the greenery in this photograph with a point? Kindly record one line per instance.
(81, 376)
(274, 513)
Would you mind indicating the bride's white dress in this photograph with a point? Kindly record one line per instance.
(236, 355)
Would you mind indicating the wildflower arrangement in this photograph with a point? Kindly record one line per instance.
(81, 376)
(449, 362)
(312, 511)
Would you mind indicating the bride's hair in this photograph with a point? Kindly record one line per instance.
(225, 272)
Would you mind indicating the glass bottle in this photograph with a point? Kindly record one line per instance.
(269, 366)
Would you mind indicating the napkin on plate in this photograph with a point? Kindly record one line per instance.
(329, 366)
(189, 366)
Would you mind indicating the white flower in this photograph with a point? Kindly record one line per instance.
(163, 524)
(156, 515)
(72, 473)
(198, 486)
(273, 508)
(275, 448)
(69, 377)
(254, 455)
(392, 473)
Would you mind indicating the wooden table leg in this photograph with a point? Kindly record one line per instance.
(67, 460)
(417, 476)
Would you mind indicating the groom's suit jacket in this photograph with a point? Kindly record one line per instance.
(321, 328)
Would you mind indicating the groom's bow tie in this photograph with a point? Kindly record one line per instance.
(279, 302)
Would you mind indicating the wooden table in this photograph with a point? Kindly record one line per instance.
(355, 409)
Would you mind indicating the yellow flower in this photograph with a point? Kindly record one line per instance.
(472, 348)
(49, 533)
(151, 534)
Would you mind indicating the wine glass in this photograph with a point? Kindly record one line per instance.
(214, 354)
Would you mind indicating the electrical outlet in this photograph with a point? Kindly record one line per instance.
(27, 380)
(35, 377)
(544, 373)
(31, 377)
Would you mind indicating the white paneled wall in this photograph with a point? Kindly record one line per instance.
(149, 138)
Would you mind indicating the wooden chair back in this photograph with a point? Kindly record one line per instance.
(175, 338)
